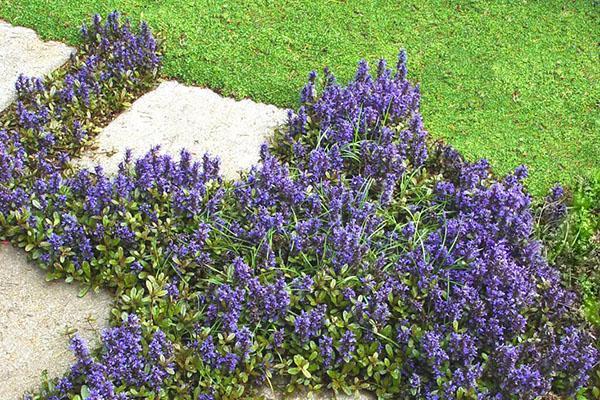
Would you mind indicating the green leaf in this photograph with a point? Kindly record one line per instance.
(83, 291)
(85, 392)
(306, 373)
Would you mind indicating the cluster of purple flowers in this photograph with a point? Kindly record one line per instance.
(554, 209)
(155, 185)
(352, 243)
(347, 345)
(121, 49)
(371, 127)
(112, 54)
(53, 117)
(308, 324)
(461, 258)
(125, 362)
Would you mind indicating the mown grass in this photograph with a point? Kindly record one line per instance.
(511, 81)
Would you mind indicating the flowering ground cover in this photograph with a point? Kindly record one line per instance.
(573, 241)
(514, 82)
(357, 254)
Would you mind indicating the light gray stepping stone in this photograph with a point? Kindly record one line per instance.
(177, 116)
(35, 319)
(22, 52)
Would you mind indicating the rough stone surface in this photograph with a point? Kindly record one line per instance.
(22, 52)
(35, 316)
(177, 116)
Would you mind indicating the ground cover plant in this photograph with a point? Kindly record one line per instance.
(572, 238)
(53, 119)
(357, 254)
(512, 81)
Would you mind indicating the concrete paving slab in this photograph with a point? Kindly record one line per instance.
(35, 316)
(177, 116)
(22, 52)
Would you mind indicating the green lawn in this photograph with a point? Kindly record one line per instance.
(512, 81)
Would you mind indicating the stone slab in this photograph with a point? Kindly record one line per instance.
(35, 316)
(22, 52)
(177, 116)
